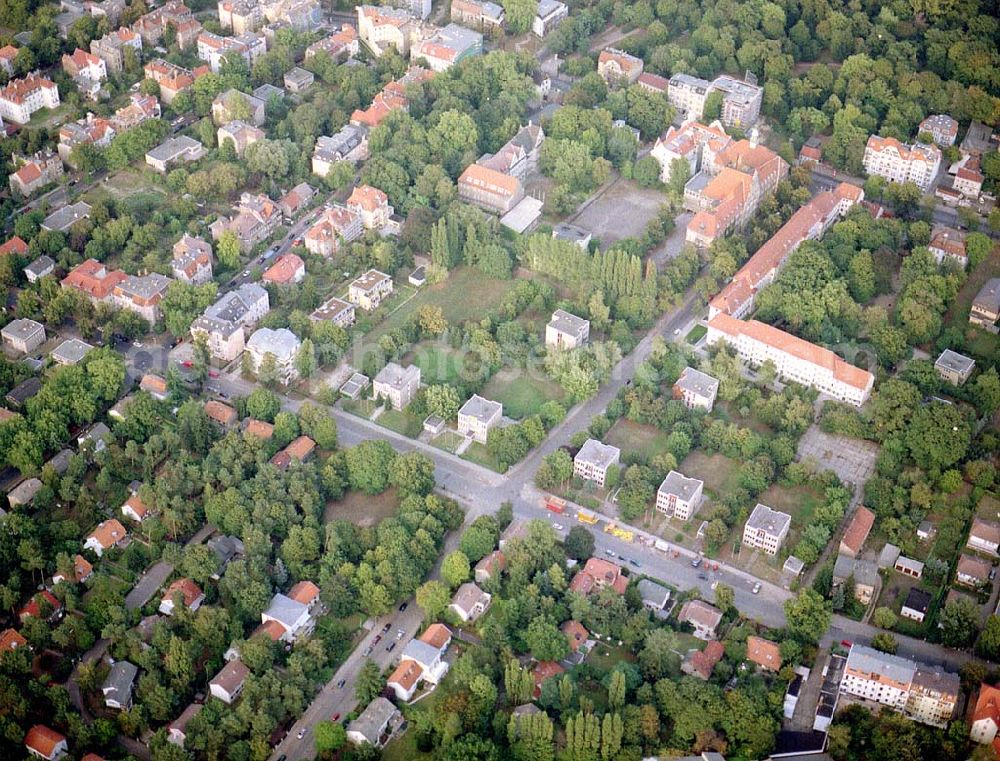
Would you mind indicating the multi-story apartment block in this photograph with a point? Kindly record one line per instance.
(334, 310)
(679, 496)
(725, 194)
(397, 384)
(171, 78)
(696, 389)
(741, 101)
(382, 27)
(340, 46)
(213, 49)
(489, 189)
(372, 205)
(192, 260)
(35, 172)
(281, 344)
(240, 16)
(985, 309)
(111, 48)
(334, 224)
(519, 155)
(87, 71)
(368, 290)
(942, 128)
(687, 94)
(478, 14)
(948, 243)
(887, 157)
(810, 222)
(594, 460)
(447, 47)
(766, 529)
(222, 325)
(349, 144)
(175, 14)
(549, 15)
(142, 294)
(566, 331)
(20, 98)
(94, 280)
(969, 180)
(240, 134)
(300, 15)
(23, 336)
(234, 104)
(255, 220)
(795, 360)
(90, 130)
(921, 693)
(687, 143)
(478, 416)
(618, 67)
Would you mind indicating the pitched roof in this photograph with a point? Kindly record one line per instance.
(33, 608)
(858, 529)
(406, 674)
(987, 704)
(702, 662)
(187, 588)
(258, 429)
(304, 592)
(986, 531)
(43, 740)
(489, 180)
(14, 246)
(219, 412)
(764, 653)
(367, 197)
(698, 612)
(137, 506)
(284, 270)
(10, 639)
(576, 633)
(973, 567)
(108, 533)
(436, 635)
(231, 676)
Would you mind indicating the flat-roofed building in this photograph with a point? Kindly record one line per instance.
(594, 460)
(281, 344)
(23, 335)
(448, 47)
(478, 416)
(566, 331)
(334, 310)
(397, 384)
(548, 16)
(174, 150)
(696, 389)
(766, 529)
(369, 290)
(954, 367)
(679, 496)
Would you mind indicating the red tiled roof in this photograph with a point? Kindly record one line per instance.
(271, 628)
(542, 671)
(187, 588)
(576, 633)
(490, 180)
(43, 740)
(34, 608)
(304, 592)
(14, 246)
(137, 506)
(858, 529)
(406, 674)
(94, 279)
(703, 661)
(764, 653)
(368, 198)
(219, 412)
(18, 90)
(284, 269)
(437, 635)
(259, 429)
(10, 639)
(108, 533)
(301, 448)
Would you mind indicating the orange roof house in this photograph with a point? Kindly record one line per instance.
(82, 570)
(599, 573)
(288, 268)
(575, 633)
(10, 639)
(406, 676)
(701, 663)
(14, 246)
(258, 429)
(304, 592)
(301, 448)
(764, 653)
(436, 635)
(220, 413)
(135, 508)
(857, 531)
(45, 742)
(544, 670)
(107, 535)
(93, 279)
(33, 609)
(190, 593)
(986, 717)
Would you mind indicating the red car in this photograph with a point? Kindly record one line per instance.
(335, 717)
(847, 643)
(212, 374)
(187, 363)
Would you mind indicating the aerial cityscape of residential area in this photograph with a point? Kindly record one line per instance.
(534, 380)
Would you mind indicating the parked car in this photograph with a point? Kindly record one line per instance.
(392, 646)
(400, 633)
(696, 561)
(403, 607)
(378, 638)
(341, 683)
(634, 562)
(756, 588)
(386, 628)
(335, 717)
(609, 553)
(301, 733)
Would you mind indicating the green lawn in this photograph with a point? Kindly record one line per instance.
(800, 502)
(448, 441)
(522, 395)
(362, 509)
(438, 362)
(401, 422)
(362, 407)
(643, 441)
(696, 334)
(404, 747)
(480, 455)
(720, 474)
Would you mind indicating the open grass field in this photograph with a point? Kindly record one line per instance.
(800, 502)
(401, 422)
(642, 441)
(480, 455)
(522, 395)
(448, 441)
(719, 473)
(361, 509)
(438, 362)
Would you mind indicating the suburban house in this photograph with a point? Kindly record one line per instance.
(296, 200)
(226, 549)
(593, 461)
(703, 617)
(897, 162)
(186, 591)
(863, 572)
(794, 359)
(10, 640)
(282, 345)
(339, 46)
(108, 534)
(766, 529)
(984, 536)
(255, 220)
(368, 290)
(566, 331)
(489, 189)
(213, 49)
(972, 571)
(679, 496)
(701, 663)
(596, 574)
(397, 384)
(921, 693)
(22, 335)
(35, 172)
(696, 389)
(192, 260)
(43, 742)
(948, 244)
(299, 450)
(333, 224)
(90, 130)
(298, 79)
(477, 416)
(135, 509)
(986, 305)
(375, 724)
(349, 144)
(20, 98)
(240, 134)
(177, 729)
(916, 605)
(764, 653)
(953, 367)
(81, 571)
(654, 596)
(618, 67)
(286, 270)
(372, 205)
(576, 634)
(422, 660)
(334, 310)
(390, 98)
(543, 671)
(986, 717)
(39, 268)
(95, 438)
(155, 386)
(118, 686)
(228, 683)
(470, 602)
(24, 493)
(857, 531)
(40, 603)
(64, 218)
(293, 615)
(87, 72)
(490, 566)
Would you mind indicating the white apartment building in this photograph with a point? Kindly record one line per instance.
(594, 460)
(795, 360)
(887, 157)
(368, 290)
(478, 416)
(548, 16)
(397, 384)
(282, 344)
(766, 529)
(22, 97)
(696, 389)
(382, 27)
(566, 330)
(679, 496)
(687, 94)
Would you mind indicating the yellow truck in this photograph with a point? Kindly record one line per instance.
(621, 533)
(585, 516)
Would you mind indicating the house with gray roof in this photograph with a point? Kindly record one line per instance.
(22, 336)
(142, 294)
(226, 549)
(173, 150)
(70, 352)
(397, 384)
(281, 344)
(478, 416)
(42, 266)
(349, 144)
(18, 396)
(572, 234)
(679, 496)
(292, 615)
(953, 367)
(594, 460)
(654, 596)
(566, 331)
(696, 389)
(24, 493)
(375, 724)
(985, 309)
(62, 219)
(98, 434)
(766, 529)
(297, 79)
(117, 687)
(887, 557)
(60, 461)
